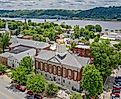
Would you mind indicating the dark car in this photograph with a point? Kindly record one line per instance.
(21, 88)
(119, 77)
(116, 91)
(37, 96)
(29, 92)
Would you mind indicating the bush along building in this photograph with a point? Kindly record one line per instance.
(61, 66)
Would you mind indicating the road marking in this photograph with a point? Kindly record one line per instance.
(6, 95)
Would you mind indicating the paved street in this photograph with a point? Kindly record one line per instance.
(9, 92)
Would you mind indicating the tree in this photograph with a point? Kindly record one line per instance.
(90, 27)
(76, 31)
(118, 46)
(104, 57)
(27, 62)
(36, 83)
(52, 89)
(4, 41)
(20, 75)
(76, 96)
(2, 68)
(92, 81)
(98, 28)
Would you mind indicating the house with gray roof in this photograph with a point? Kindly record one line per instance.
(15, 42)
(61, 66)
(13, 58)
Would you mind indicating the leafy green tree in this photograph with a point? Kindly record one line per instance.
(4, 41)
(73, 44)
(36, 83)
(118, 46)
(19, 75)
(82, 31)
(104, 57)
(2, 68)
(27, 62)
(13, 25)
(98, 28)
(52, 89)
(92, 81)
(76, 96)
(90, 27)
(76, 31)
(96, 39)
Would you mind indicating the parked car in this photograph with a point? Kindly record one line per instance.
(115, 88)
(30, 92)
(21, 88)
(115, 91)
(119, 77)
(115, 97)
(36, 96)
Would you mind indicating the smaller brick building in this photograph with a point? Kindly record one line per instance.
(82, 50)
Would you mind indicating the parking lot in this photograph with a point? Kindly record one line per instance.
(109, 85)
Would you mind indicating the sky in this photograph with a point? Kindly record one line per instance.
(56, 4)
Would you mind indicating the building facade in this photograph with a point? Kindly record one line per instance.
(82, 50)
(13, 58)
(61, 67)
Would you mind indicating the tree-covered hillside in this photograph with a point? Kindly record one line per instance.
(102, 13)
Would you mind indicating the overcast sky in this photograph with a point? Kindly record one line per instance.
(57, 4)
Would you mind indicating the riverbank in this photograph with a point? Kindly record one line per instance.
(110, 25)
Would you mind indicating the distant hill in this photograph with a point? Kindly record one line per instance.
(98, 13)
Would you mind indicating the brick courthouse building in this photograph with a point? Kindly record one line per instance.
(61, 66)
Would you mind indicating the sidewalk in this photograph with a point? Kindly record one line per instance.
(6, 78)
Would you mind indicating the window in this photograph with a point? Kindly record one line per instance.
(50, 68)
(69, 82)
(69, 74)
(64, 72)
(75, 75)
(45, 75)
(41, 65)
(63, 81)
(46, 67)
(54, 69)
(83, 52)
(59, 71)
(36, 65)
(54, 78)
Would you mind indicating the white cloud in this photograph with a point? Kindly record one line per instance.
(56, 4)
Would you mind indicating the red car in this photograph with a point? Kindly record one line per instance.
(21, 88)
(30, 92)
(37, 96)
(116, 88)
(115, 94)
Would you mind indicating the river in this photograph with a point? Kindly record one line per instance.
(110, 25)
